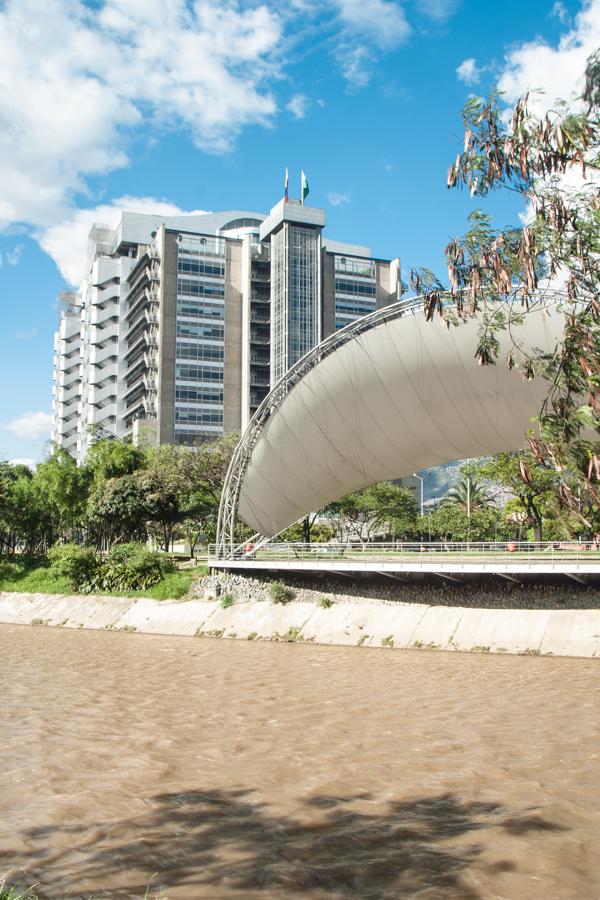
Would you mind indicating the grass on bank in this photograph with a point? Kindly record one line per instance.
(39, 578)
(13, 893)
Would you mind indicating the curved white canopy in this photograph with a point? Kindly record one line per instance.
(403, 396)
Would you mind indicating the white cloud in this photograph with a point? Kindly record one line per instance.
(76, 79)
(13, 256)
(338, 199)
(27, 335)
(369, 28)
(468, 71)
(30, 426)
(382, 21)
(24, 461)
(298, 106)
(559, 12)
(557, 71)
(439, 10)
(66, 242)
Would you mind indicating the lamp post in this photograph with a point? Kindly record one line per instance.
(421, 480)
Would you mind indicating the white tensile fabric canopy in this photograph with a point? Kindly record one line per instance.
(406, 395)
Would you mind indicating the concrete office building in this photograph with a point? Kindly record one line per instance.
(185, 322)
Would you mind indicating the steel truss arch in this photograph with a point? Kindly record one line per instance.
(227, 545)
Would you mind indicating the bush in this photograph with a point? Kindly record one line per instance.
(279, 593)
(78, 564)
(130, 567)
(325, 602)
(226, 601)
(9, 570)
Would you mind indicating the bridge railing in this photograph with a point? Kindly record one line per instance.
(420, 553)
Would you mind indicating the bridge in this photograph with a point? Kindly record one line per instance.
(390, 394)
(511, 561)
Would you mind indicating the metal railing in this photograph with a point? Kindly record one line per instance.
(421, 554)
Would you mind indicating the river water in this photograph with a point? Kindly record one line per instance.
(194, 768)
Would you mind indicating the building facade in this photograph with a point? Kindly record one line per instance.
(184, 323)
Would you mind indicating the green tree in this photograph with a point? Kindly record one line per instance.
(451, 522)
(15, 506)
(319, 533)
(163, 485)
(469, 492)
(110, 458)
(383, 506)
(533, 484)
(65, 487)
(541, 158)
(204, 469)
(117, 511)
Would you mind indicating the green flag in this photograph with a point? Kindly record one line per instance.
(304, 187)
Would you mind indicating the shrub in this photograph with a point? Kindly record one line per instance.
(279, 593)
(78, 564)
(130, 567)
(226, 601)
(9, 570)
(325, 602)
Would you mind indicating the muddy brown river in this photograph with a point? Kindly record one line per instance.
(191, 768)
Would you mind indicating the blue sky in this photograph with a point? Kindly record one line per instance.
(202, 106)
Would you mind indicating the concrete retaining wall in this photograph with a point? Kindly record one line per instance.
(525, 631)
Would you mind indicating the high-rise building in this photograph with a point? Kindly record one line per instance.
(185, 322)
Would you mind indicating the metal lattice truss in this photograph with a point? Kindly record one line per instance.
(360, 335)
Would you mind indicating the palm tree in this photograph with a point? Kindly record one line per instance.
(469, 493)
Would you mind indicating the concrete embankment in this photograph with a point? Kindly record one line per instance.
(557, 632)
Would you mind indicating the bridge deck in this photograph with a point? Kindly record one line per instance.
(435, 559)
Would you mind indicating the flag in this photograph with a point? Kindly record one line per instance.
(304, 187)
(287, 185)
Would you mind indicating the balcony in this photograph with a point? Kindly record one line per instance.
(109, 370)
(99, 355)
(134, 383)
(103, 396)
(149, 381)
(150, 359)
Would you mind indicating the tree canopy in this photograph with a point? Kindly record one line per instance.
(553, 161)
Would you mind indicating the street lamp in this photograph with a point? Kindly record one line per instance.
(421, 480)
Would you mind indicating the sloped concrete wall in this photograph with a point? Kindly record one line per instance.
(403, 625)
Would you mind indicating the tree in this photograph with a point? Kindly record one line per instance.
(204, 469)
(469, 493)
(497, 273)
(110, 458)
(384, 506)
(450, 522)
(164, 485)
(532, 483)
(117, 511)
(65, 487)
(296, 533)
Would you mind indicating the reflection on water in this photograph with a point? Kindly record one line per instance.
(241, 770)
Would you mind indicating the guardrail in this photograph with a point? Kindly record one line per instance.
(423, 554)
